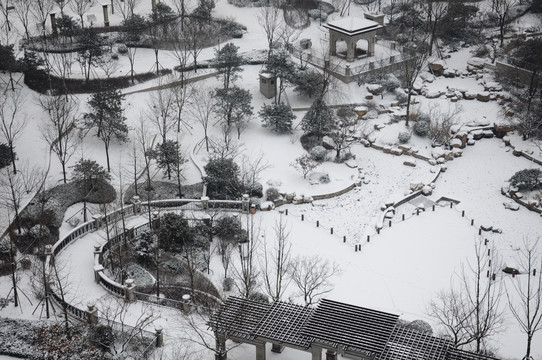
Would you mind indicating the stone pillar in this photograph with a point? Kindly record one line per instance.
(246, 203)
(92, 313)
(186, 304)
(260, 351)
(205, 202)
(136, 203)
(53, 23)
(392, 59)
(393, 44)
(97, 270)
(97, 220)
(130, 232)
(316, 352)
(159, 335)
(112, 7)
(277, 348)
(347, 70)
(98, 255)
(331, 355)
(129, 288)
(371, 65)
(153, 5)
(106, 15)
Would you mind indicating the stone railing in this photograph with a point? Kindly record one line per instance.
(137, 207)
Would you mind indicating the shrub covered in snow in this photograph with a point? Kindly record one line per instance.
(227, 227)
(272, 194)
(403, 137)
(255, 189)
(527, 179)
(278, 117)
(394, 119)
(318, 153)
(318, 14)
(122, 49)
(421, 127)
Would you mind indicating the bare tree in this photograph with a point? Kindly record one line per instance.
(181, 96)
(162, 111)
(41, 10)
(442, 123)
(304, 164)
(483, 295)
(23, 11)
(277, 261)
(201, 108)
(59, 129)
(127, 7)
(80, 7)
(312, 276)
(414, 58)
(251, 168)
(435, 12)
(15, 188)
(449, 309)
(118, 314)
(12, 122)
(195, 42)
(501, 8)
(525, 293)
(145, 144)
(245, 271)
(182, 6)
(345, 126)
(206, 331)
(271, 20)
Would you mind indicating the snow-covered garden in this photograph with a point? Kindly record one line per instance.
(402, 207)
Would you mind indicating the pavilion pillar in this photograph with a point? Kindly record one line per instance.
(316, 352)
(332, 44)
(221, 344)
(331, 355)
(260, 351)
(371, 47)
(351, 50)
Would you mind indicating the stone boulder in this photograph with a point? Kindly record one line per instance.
(436, 67)
(492, 86)
(434, 94)
(328, 143)
(375, 89)
(427, 76)
(361, 110)
(449, 73)
(483, 96)
(511, 206)
(418, 85)
(469, 95)
(476, 62)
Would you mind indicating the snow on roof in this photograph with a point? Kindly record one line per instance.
(352, 25)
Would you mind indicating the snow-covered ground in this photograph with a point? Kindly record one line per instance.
(399, 270)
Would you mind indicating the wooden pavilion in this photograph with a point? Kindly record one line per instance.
(337, 327)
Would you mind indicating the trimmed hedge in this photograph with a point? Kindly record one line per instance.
(42, 83)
